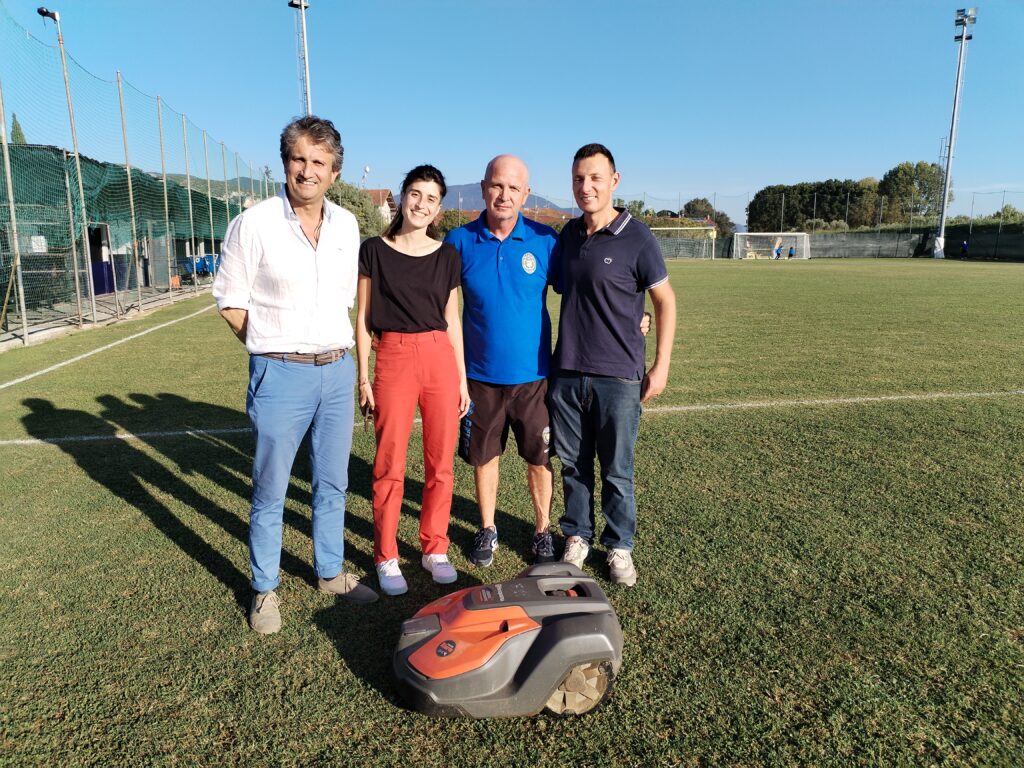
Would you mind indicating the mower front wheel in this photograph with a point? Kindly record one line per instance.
(582, 690)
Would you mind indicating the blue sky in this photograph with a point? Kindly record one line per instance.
(695, 99)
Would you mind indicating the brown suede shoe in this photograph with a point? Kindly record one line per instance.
(347, 586)
(264, 616)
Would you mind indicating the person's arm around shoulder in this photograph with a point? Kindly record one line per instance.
(233, 284)
(664, 300)
(363, 332)
(451, 316)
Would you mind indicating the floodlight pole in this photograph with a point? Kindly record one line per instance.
(964, 18)
(46, 13)
(301, 6)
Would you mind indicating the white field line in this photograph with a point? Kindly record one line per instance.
(665, 409)
(831, 401)
(104, 348)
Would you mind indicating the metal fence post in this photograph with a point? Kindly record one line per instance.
(252, 183)
(15, 275)
(238, 184)
(227, 195)
(191, 222)
(74, 249)
(209, 204)
(131, 193)
(167, 208)
(1002, 206)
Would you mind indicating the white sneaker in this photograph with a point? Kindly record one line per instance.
(576, 551)
(392, 582)
(440, 569)
(620, 563)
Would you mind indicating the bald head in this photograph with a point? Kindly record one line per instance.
(505, 188)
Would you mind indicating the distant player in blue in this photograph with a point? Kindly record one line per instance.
(778, 252)
(792, 252)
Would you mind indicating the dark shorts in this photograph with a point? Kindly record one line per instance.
(496, 407)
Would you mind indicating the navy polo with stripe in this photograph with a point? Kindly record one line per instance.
(603, 279)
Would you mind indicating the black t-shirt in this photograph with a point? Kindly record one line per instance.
(408, 294)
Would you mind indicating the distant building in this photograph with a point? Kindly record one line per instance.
(384, 202)
(667, 214)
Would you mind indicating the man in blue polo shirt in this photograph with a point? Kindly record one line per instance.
(507, 341)
(604, 264)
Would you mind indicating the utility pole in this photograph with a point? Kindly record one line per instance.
(964, 18)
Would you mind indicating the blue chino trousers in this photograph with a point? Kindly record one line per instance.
(285, 400)
(596, 416)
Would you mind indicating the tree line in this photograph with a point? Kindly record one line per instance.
(907, 192)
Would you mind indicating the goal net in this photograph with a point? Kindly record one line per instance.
(686, 242)
(771, 245)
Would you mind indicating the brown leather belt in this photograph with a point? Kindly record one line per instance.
(309, 358)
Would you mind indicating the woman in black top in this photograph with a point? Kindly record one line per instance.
(408, 305)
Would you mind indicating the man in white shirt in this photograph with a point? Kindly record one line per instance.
(287, 280)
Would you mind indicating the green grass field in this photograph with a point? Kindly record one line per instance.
(820, 583)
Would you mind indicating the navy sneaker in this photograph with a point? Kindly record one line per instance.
(484, 544)
(543, 548)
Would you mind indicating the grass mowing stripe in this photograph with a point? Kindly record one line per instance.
(656, 410)
(105, 347)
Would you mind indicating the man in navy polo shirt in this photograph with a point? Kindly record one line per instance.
(507, 341)
(604, 263)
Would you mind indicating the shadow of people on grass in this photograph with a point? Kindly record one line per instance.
(126, 472)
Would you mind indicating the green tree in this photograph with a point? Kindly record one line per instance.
(451, 219)
(360, 204)
(17, 134)
(724, 223)
(698, 208)
(911, 187)
(635, 208)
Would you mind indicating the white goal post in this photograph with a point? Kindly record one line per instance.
(771, 245)
(686, 242)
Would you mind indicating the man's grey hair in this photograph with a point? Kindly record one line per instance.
(319, 131)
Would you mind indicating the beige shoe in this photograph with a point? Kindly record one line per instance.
(620, 563)
(264, 615)
(347, 586)
(576, 551)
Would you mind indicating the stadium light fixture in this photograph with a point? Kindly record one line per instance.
(965, 17)
(301, 6)
(46, 13)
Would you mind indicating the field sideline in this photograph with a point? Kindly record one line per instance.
(831, 502)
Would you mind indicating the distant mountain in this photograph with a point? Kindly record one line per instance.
(472, 200)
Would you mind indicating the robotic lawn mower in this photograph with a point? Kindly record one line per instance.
(547, 640)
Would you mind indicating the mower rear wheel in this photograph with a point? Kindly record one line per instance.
(582, 690)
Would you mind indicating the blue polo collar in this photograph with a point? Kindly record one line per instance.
(483, 233)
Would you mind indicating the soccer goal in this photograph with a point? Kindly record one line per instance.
(686, 242)
(771, 245)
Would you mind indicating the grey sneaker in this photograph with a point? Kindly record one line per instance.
(576, 551)
(392, 582)
(484, 544)
(264, 614)
(543, 548)
(440, 569)
(620, 561)
(347, 586)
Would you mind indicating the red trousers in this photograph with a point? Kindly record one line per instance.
(414, 369)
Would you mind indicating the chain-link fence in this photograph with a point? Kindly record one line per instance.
(122, 205)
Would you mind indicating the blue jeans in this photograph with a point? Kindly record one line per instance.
(596, 415)
(286, 400)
